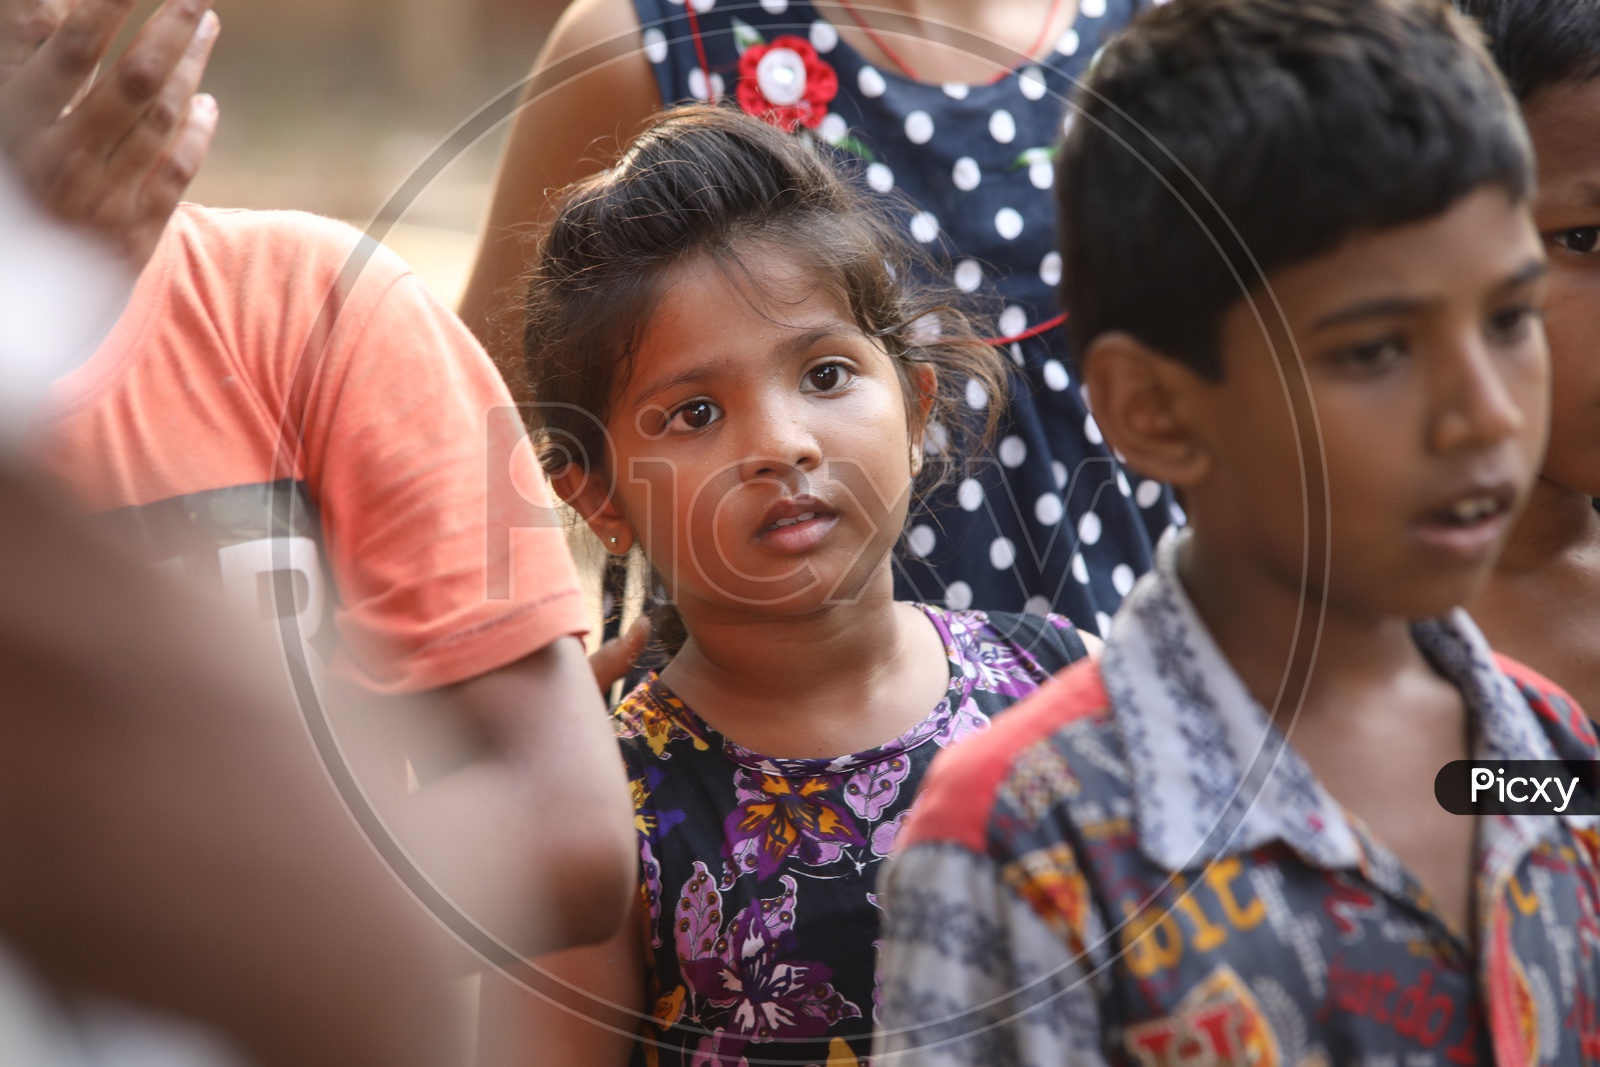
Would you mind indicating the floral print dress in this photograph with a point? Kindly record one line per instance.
(758, 874)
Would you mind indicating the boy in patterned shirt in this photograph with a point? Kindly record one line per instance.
(1219, 843)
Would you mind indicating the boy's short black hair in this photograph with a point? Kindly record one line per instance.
(1219, 141)
(1540, 43)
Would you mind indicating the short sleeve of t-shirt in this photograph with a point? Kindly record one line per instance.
(264, 348)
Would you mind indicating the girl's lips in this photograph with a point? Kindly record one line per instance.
(798, 537)
(1465, 542)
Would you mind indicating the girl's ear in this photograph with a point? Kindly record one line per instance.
(1142, 402)
(923, 382)
(588, 494)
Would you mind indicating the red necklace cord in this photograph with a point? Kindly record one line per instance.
(883, 46)
(905, 68)
(699, 47)
(1033, 331)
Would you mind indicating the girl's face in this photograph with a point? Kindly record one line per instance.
(761, 451)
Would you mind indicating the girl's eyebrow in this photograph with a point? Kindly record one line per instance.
(724, 365)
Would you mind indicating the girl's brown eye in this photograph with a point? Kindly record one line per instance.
(828, 377)
(699, 414)
(695, 415)
(1581, 240)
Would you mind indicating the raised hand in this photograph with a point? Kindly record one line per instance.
(111, 155)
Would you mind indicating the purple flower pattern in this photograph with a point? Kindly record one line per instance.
(768, 865)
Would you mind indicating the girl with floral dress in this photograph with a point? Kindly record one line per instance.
(737, 368)
(949, 111)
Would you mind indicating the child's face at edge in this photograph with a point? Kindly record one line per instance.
(1564, 122)
(1428, 379)
(760, 447)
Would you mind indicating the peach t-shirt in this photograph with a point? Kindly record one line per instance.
(285, 411)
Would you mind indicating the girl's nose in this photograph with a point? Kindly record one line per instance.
(781, 440)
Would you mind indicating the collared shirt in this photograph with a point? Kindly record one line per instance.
(1137, 869)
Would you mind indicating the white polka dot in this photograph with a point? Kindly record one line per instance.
(1002, 553)
(919, 127)
(977, 395)
(1091, 430)
(955, 90)
(924, 226)
(823, 36)
(1055, 375)
(1037, 605)
(958, 596)
(1122, 484)
(970, 495)
(1050, 269)
(870, 82)
(1080, 569)
(702, 6)
(1176, 512)
(833, 127)
(1122, 579)
(1103, 621)
(1002, 127)
(1058, 470)
(1031, 82)
(1048, 509)
(1147, 494)
(880, 177)
(1013, 320)
(1008, 222)
(1068, 43)
(774, 7)
(966, 174)
(936, 440)
(1042, 173)
(1016, 353)
(921, 541)
(1066, 123)
(1092, 9)
(1013, 450)
(1089, 528)
(968, 275)
(655, 45)
(698, 88)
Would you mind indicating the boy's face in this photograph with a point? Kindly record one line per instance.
(1565, 125)
(1428, 380)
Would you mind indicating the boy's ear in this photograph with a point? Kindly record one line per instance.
(1143, 402)
(588, 494)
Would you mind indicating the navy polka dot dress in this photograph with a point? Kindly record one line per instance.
(1049, 521)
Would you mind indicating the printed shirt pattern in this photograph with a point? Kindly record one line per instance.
(757, 873)
(1050, 522)
(1135, 868)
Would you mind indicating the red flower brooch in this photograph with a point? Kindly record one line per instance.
(785, 83)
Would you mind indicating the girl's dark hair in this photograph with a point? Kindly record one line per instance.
(710, 181)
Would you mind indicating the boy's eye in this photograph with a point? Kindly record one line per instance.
(695, 415)
(1372, 357)
(828, 377)
(1513, 324)
(1581, 240)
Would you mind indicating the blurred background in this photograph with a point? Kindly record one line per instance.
(327, 105)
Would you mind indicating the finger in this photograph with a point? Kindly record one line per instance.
(121, 97)
(168, 180)
(24, 26)
(159, 124)
(612, 660)
(36, 95)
